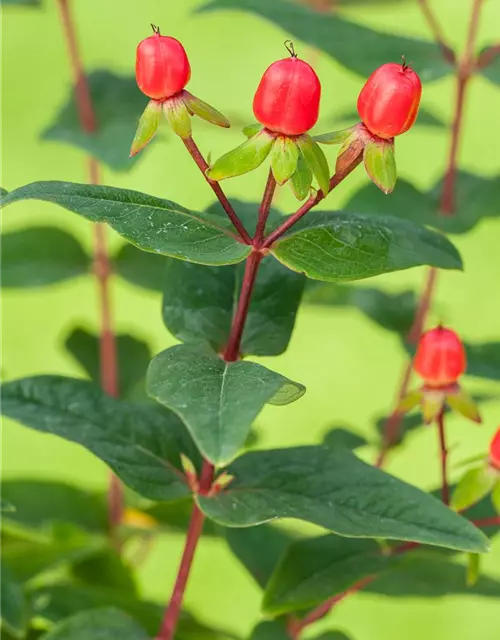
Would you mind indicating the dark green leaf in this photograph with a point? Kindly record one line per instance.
(99, 624)
(492, 70)
(141, 268)
(13, 605)
(133, 358)
(199, 302)
(41, 255)
(118, 104)
(335, 490)
(358, 48)
(56, 502)
(340, 437)
(6, 506)
(217, 400)
(3, 192)
(476, 198)
(483, 360)
(336, 247)
(175, 516)
(106, 569)
(333, 635)
(152, 224)
(391, 311)
(27, 3)
(313, 570)
(271, 630)
(259, 549)
(141, 443)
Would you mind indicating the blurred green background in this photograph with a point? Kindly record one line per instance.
(350, 366)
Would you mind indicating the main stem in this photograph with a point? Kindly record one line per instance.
(445, 491)
(102, 267)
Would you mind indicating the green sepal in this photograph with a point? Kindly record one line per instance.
(301, 180)
(495, 494)
(472, 488)
(204, 111)
(148, 125)
(178, 116)
(380, 164)
(316, 159)
(409, 401)
(252, 130)
(245, 158)
(334, 137)
(460, 401)
(432, 405)
(473, 568)
(284, 158)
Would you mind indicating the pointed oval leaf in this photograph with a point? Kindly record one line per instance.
(337, 247)
(247, 157)
(301, 180)
(141, 443)
(217, 400)
(270, 630)
(316, 160)
(105, 624)
(334, 137)
(178, 116)
(150, 223)
(472, 487)
(380, 165)
(148, 126)
(141, 268)
(40, 256)
(13, 605)
(284, 158)
(335, 490)
(204, 111)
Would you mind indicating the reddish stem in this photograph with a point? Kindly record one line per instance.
(197, 156)
(494, 521)
(448, 53)
(335, 180)
(445, 491)
(264, 209)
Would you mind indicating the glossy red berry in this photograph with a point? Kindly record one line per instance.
(388, 103)
(495, 450)
(287, 98)
(162, 66)
(440, 359)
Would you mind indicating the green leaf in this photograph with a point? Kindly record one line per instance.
(56, 503)
(106, 569)
(217, 400)
(270, 630)
(198, 304)
(340, 437)
(472, 487)
(178, 116)
(175, 516)
(247, 157)
(259, 549)
(354, 46)
(483, 360)
(104, 624)
(492, 70)
(336, 247)
(148, 126)
(41, 255)
(13, 605)
(252, 129)
(284, 158)
(476, 198)
(316, 160)
(141, 443)
(333, 635)
(301, 180)
(133, 357)
(140, 267)
(495, 497)
(6, 506)
(27, 3)
(391, 311)
(380, 165)
(150, 223)
(335, 490)
(316, 569)
(204, 111)
(117, 103)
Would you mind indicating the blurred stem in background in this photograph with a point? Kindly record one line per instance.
(102, 266)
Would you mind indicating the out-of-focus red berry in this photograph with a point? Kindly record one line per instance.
(495, 450)
(162, 66)
(388, 103)
(440, 359)
(288, 95)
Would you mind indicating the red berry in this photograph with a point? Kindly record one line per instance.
(495, 450)
(388, 103)
(440, 359)
(162, 66)
(287, 98)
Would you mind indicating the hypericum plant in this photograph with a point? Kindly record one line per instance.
(233, 278)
